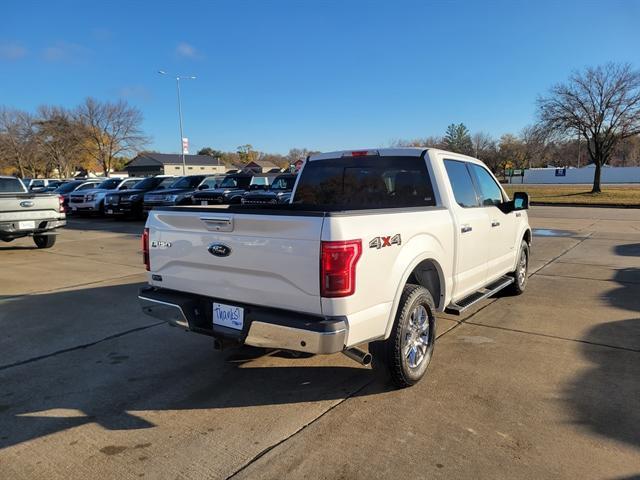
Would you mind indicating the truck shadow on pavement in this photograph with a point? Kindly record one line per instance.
(606, 397)
(123, 375)
(109, 225)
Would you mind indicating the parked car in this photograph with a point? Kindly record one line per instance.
(229, 191)
(371, 246)
(92, 201)
(67, 188)
(129, 203)
(278, 192)
(178, 193)
(40, 184)
(27, 214)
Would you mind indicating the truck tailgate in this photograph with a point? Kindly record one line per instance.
(28, 206)
(273, 259)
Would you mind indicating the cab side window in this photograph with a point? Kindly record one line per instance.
(463, 189)
(489, 189)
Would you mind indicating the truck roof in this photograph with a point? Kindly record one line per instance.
(389, 152)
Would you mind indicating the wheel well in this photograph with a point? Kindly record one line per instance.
(427, 274)
(527, 236)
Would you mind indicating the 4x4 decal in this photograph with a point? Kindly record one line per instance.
(380, 242)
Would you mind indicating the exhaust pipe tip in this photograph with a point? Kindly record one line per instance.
(357, 355)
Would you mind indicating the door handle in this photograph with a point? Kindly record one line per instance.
(466, 229)
(495, 224)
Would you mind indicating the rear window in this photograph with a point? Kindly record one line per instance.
(365, 182)
(11, 185)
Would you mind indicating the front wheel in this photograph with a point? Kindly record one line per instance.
(521, 273)
(44, 241)
(406, 354)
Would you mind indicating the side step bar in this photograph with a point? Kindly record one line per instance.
(456, 308)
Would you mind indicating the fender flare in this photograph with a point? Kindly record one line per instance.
(444, 285)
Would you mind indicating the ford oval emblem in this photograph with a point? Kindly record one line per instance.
(27, 204)
(219, 250)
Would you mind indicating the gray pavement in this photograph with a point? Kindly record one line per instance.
(545, 385)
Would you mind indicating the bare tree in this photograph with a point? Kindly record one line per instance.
(18, 148)
(111, 129)
(60, 139)
(601, 104)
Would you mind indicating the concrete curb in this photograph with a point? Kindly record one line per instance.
(593, 205)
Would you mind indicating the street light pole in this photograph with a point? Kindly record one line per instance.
(178, 78)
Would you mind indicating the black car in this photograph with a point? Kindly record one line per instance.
(229, 191)
(178, 193)
(279, 192)
(129, 203)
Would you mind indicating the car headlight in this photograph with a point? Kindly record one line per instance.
(171, 198)
(90, 198)
(131, 197)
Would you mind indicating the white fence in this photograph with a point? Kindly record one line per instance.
(580, 175)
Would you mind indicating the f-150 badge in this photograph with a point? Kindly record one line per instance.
(380, 242)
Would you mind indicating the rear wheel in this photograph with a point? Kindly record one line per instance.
(406, 354)
(44, 241)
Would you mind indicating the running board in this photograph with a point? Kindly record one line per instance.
(494, 287)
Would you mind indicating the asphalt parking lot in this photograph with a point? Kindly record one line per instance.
(546, 385)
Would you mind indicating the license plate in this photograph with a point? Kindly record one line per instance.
(27, 225)
(204, 202)
(228, 316)
(109, 212)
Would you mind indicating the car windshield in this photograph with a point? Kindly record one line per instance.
(233, 182)
(210, 182)
(283, 183)
(150, 183)
(11, 185)
(109, 184)
(187, 182)
(165, 183)
(68, 187)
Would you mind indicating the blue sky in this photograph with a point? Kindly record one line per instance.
(323, 75)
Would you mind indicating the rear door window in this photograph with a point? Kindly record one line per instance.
(463, 189)
(365, 182)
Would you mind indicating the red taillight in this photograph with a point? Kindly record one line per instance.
(360, 153)
(338, 267)
(61, 203)
(145, 248)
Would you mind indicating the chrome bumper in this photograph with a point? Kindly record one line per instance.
(268, 335)
(168, 312)
(261, 334)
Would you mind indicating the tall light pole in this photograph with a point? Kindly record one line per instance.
(178, 78)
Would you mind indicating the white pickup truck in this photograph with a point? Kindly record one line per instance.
(24, 213)
(372, 244)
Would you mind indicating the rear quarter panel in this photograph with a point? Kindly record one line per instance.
(382, 272)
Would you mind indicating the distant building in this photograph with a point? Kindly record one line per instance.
(149, 164)
(261, 166)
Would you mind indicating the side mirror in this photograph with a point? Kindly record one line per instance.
(203, 187)
(520, 201)
(123, 187)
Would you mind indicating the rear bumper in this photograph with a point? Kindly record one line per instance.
(263, 327)
(12, 230)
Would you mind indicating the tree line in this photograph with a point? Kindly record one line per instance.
(593, 117)
(94, 136)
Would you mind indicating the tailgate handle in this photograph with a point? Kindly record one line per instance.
(219, 224)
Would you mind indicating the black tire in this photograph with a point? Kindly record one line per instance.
(392, 357)
(521, 273)
(44, 241)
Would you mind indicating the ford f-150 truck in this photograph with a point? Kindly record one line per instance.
(24, 213)
(372, 244)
